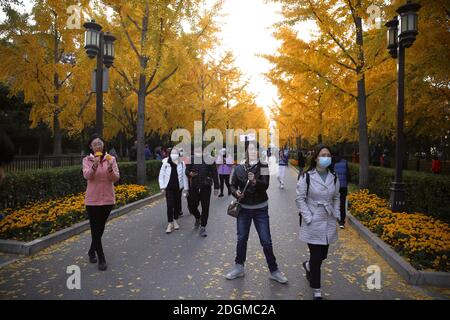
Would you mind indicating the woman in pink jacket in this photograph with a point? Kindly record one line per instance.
(101, 172)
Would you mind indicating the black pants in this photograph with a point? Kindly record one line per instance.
(224, 178)
(317, 253)
(98, 215)
(173, 198)
(196, 196)
(343, 192)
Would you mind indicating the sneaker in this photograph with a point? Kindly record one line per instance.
(341, 226)
(175, 225)
(317, 294)
(238, 271)
(180, 214)
(221, 195)
(308, 273)
(282, 186)
(169, 228)
(203, 232)
(197, 224)
(278, 276)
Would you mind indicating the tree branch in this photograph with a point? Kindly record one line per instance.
(163, 80)
(126, 79)
(333, 37)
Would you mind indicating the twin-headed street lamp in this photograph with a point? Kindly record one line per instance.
(397, 43)
(101, 45)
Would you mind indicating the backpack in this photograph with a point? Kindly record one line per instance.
(308, 180)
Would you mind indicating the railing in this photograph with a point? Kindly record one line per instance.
(24, 163)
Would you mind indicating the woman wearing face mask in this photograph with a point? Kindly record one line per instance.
(172, 182)
(101, 172)
(318, 202)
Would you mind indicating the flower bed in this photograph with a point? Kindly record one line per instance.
(39, 219)
(424, 241)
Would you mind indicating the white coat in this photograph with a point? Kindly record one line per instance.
(319, 210)
(166, 170)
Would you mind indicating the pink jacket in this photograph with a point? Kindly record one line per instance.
(100, 183)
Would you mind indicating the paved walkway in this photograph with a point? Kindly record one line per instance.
(145, 263)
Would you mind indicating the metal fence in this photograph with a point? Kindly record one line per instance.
(24, 163)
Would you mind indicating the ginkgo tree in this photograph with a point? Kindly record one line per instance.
(338, 55)
(40, 57)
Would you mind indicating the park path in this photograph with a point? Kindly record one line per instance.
(146, 263)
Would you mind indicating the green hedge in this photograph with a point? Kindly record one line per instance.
(30, 186)
(425, 192)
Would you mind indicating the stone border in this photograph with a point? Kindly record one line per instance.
(29, 248)
(398, 263)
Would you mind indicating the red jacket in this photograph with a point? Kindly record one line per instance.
(436, 166)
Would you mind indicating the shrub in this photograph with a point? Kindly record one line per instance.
(44, 217)
(31, 186)
(425, 192)
(423, 240)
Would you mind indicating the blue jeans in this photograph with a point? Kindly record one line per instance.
(260, 218)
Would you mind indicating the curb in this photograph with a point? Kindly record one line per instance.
(31, 247)
(398, 263)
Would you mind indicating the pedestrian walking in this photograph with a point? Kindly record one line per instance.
(201, 177)
(101, 172)
(173, 182)
(283, 163)
(319, 205)
(341, 169)
(224, 167)
(147, 152)
(133, 152)
(436, 165)
(254, 207)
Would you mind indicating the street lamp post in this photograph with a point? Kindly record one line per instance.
(101, 45)
(397, 44)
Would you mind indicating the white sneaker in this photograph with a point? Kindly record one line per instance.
(175, 225)
(169, 228)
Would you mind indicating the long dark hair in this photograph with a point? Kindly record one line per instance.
(316, 152)
(93, 137)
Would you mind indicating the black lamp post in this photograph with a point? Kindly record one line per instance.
(101, 45)
(397, 43)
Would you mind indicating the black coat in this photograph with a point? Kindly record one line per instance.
(206, 175)
(254, 194)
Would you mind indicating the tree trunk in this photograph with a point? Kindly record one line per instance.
(57, 135)
(141, 132)
(362, 114)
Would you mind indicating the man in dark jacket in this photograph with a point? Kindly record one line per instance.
(201, 177)
(340, 167)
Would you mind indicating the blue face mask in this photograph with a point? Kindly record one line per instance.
(324, 162)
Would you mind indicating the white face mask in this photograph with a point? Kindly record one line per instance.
(175, 156)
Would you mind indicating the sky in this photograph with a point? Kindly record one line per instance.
(247, 30)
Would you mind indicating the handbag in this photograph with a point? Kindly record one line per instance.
(235, 207)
